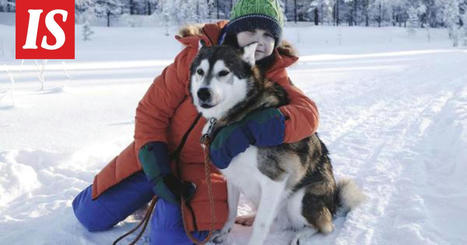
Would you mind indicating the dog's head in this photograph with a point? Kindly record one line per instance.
(221, 77)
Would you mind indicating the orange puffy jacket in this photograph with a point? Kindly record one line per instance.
(166, 112)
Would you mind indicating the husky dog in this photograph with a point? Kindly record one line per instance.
(291, 182)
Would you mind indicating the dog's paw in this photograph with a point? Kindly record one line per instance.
(221, 237)
(245, 220)
(303, 236)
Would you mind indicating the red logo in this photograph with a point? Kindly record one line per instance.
(45, 29)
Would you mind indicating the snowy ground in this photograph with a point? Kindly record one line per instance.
(393, 113)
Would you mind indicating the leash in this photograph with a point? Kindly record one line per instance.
(145, 220)
(205, 141)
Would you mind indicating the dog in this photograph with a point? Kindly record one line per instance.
(291, 182)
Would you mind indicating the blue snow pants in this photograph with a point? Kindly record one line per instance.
(118, 202)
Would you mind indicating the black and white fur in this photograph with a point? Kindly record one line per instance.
(291, 182)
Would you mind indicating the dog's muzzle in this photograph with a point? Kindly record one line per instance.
(205, 97)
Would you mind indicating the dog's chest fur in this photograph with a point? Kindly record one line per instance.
(243, 173)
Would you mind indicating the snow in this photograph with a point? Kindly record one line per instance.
(393, 113)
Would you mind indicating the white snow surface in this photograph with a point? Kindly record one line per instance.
(393, 111)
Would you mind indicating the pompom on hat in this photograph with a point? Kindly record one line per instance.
(249, 15)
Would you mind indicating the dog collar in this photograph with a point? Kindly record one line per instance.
(206, 138)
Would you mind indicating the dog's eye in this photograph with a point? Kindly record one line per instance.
(223, 73)
(200, 72)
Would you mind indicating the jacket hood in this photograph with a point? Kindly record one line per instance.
(190, 35)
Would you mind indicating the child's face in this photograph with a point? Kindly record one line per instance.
(264, 39)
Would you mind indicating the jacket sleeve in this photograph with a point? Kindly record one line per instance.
(302, 117)
(161, 100)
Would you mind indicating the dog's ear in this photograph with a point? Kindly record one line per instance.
(201, 44)
(249, 53)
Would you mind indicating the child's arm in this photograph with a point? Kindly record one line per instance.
(162, 99)
(302, 117)
(267, 127)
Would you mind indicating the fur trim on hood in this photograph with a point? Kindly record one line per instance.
(284, 48)
(191, 30)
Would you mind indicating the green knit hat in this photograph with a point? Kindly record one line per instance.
(257, 14)
(269, 8)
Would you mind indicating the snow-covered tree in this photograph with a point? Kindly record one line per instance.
(150, 6)
(430, 13)
(353, 11)
(9, 91)
(377, 11)
(430, 17)
(463, 11)
(304, 9)
(180, 12)
(139, 7)
(3, 4)
(413, 20)
(167, 14)
(87, 31)
(318, 11)
(84, 10)
(187, 11)
(108, 9)
(40, 66)
(326, 11)
(452, 20)
(7, 5)
(464, 21)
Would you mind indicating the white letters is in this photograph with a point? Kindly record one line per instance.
(52, 26)
(34, 16)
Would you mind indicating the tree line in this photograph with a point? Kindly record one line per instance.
(421, 13)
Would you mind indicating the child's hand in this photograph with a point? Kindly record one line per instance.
(154, 159)
(177, 189)
(260, 128)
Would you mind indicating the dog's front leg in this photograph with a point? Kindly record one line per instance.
(271, 197)
(233, 196)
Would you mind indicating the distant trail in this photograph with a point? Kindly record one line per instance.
(379, 130)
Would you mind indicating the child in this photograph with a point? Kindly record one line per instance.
(166, 114)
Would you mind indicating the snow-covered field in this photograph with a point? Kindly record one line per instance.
(393, 113)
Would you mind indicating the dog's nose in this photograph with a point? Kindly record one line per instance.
(204, 94)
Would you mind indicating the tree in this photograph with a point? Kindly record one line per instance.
(87, 32)
(180, 12)
(464, 20)
(413, 20)
(150, 6)
(84, 10)
(108, 8)
(3, 4)
(87, 18)
(139, 7)
(132, 6)
(318, 10)
(430, 13)
(366, 6)
(336, 12)
(429, 17)
(352, 13)
(463, 11)
(380, 13)
(167, 8)
(7, 5)
(452, 20)
(400, 12)
(326, 10)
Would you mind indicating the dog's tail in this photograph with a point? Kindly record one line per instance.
(349, 195)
